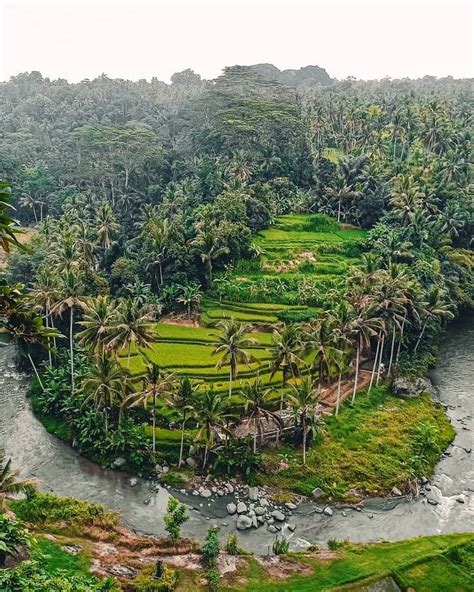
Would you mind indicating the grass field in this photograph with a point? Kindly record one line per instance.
(369, 448)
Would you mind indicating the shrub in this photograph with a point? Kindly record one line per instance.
(165, 581)
(295, 316)
(211, 546)
(175, 517)
(232, 545)
(46, 508)
(12, 536)
(173, 479)
(281, 545)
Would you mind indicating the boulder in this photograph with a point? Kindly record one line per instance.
(206, 493)
(291, 527)
(241, 508)
(291, 506)
(253, 494)
(133, 482)
(244, 522)
(409, 389)
(259, 511)
(272, 528)
(278, 515)
(396, 491)
(231, 508)
(191, 462)
(220, 492)
(264, 503)
(230, 488)
(317, 492)
(328, 511)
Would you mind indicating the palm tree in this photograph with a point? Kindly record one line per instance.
(105, 386)
(182, 399)
(436, 308)
(363, 326)
(10, 486)
(231, 344)
(45, 294)
(286, 349)
(155, 384)
(157, 233)
(191, 296)
(106, 225)
(132, 327)
(320, 343)
(70, 299)
(210, 244)
(210, 415)
(256, 403)
(98, 322)
(343, 315)
(303, 400)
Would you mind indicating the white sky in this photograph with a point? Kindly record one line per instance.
(78, 39)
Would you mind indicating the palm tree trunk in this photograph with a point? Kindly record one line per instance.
(304, 440)
(71, 347)
(46, 323)
(153, 423)
(392, 350)
(399, 347)
(375, 365)
(255, 439)
(35, 371)
(230, 382)
(181, 448)
(338, 392)
(380, 359)
(205, 457)
(420, 336)
(356, 378)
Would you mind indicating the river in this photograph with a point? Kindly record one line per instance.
(62, 471)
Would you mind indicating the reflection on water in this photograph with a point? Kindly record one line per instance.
(63, 471)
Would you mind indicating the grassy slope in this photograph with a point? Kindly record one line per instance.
(425, 564)
(369, 448)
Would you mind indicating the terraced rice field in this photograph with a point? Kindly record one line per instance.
(300, 253)
(296, 248)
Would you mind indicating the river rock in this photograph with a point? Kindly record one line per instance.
(272, 528)
(220, 493)
(253, 494)
(244, 522)
(318, 510)
(317, 492)
(206, 493)
(396, 491)
(230, 488)
(191, 462)
(118, 462)
(278, 515)
(241, 508)
(231, 509)
(264, 503)
(291, 527)
(259, 511)
(291, 506)
(432, 501)
(328, 511)
(407, 388)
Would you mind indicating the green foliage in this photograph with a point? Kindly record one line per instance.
(12, 536)
(167, 581)
(232, 546)
(281, 545)
(211, 547)
(175, 517)
(48, 509)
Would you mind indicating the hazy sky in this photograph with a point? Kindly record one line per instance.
(78, 39)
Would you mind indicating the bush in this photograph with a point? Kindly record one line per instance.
(12, 536)
(165, 582)
(173, 479)
(175, 517)
(211, 546)
(232, 545)
(296, 316)
(46, 508)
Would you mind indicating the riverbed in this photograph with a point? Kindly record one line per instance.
(62, 471)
